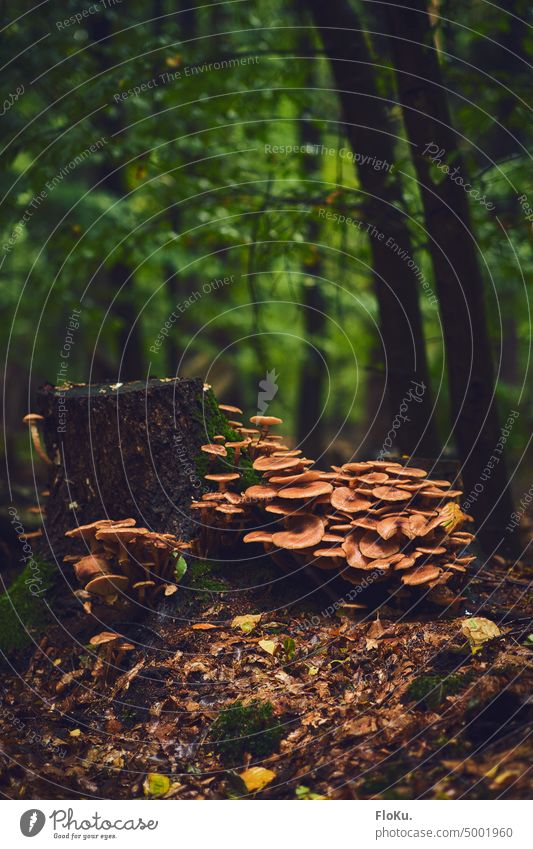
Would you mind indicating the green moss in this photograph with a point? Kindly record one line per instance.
(23, 611)
(241, 729)
(432, 690)
(199, 576)
(213, 422)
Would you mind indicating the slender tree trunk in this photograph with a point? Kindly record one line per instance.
(310, 416)
(459, 281)
(119, 276)
(370, 133)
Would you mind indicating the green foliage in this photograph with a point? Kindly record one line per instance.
(200, 577)
(241, 729)
(432, 690)
(24, 615)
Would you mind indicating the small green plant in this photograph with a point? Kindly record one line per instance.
(24, 613)
(200, 577)
(432, 690)
(241, 729)
(304, 794)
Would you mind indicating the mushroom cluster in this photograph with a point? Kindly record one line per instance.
(373, 521)
(227, 511)
(124, 562)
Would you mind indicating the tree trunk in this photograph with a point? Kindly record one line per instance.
(370, 132)
(456, 265)
(125, 451)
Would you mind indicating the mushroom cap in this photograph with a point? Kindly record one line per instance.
(275, 464)
(336, 552)
(104, 637)
(306, 490)
(421, 575)
(260, 492)
(304, 531)
(353, 553)
(213, 448)
(90, 566)
(105, 585)
(223, 477)
(229, 509)
(373, 477)
(374, 546)
(355, 468)
(368, 523)
(242, 444)
(228, 408)
(343, 498)
(300, 477)
(266, 421)
(119, 534)
(258, 536)
(32, 417)
(406, 472)
(391, 493)
(88, 531)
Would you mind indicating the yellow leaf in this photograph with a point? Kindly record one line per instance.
(257, 777)
(268, 645)
(478, 631)
(156, 784)
(247, 622)
(312, 670)
(75, 732)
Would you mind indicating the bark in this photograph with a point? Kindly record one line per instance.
(131, 451)
(370, 133)
(458, 276)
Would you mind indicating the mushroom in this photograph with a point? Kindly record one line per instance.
(421, 575)
(303, 531)
(222, 479)
(344, 499)
(214, 449)
(32, 419)
(275, 464)
(391, 493)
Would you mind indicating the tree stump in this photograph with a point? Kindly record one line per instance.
(126, 450)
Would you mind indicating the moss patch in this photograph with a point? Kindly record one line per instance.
(213, 422)
(241, 729)
(24, 614)
(432, 690)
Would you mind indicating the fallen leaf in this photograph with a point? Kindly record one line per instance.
(75, 732)
(257, 777)
(479, 631)
(202, 626)
(247, 622)
(156, 784)
(359, 727)
(268, 645)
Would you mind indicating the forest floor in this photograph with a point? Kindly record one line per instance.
(330, 704)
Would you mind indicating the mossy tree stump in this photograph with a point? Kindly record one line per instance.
(124, 450)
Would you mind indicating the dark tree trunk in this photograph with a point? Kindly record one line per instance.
(128, 451)
(370, 133)
(310, 415)
(456, 265)
(116, 279)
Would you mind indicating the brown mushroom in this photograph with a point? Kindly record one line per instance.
(32, 419)
(303, 531)
(343, 498)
